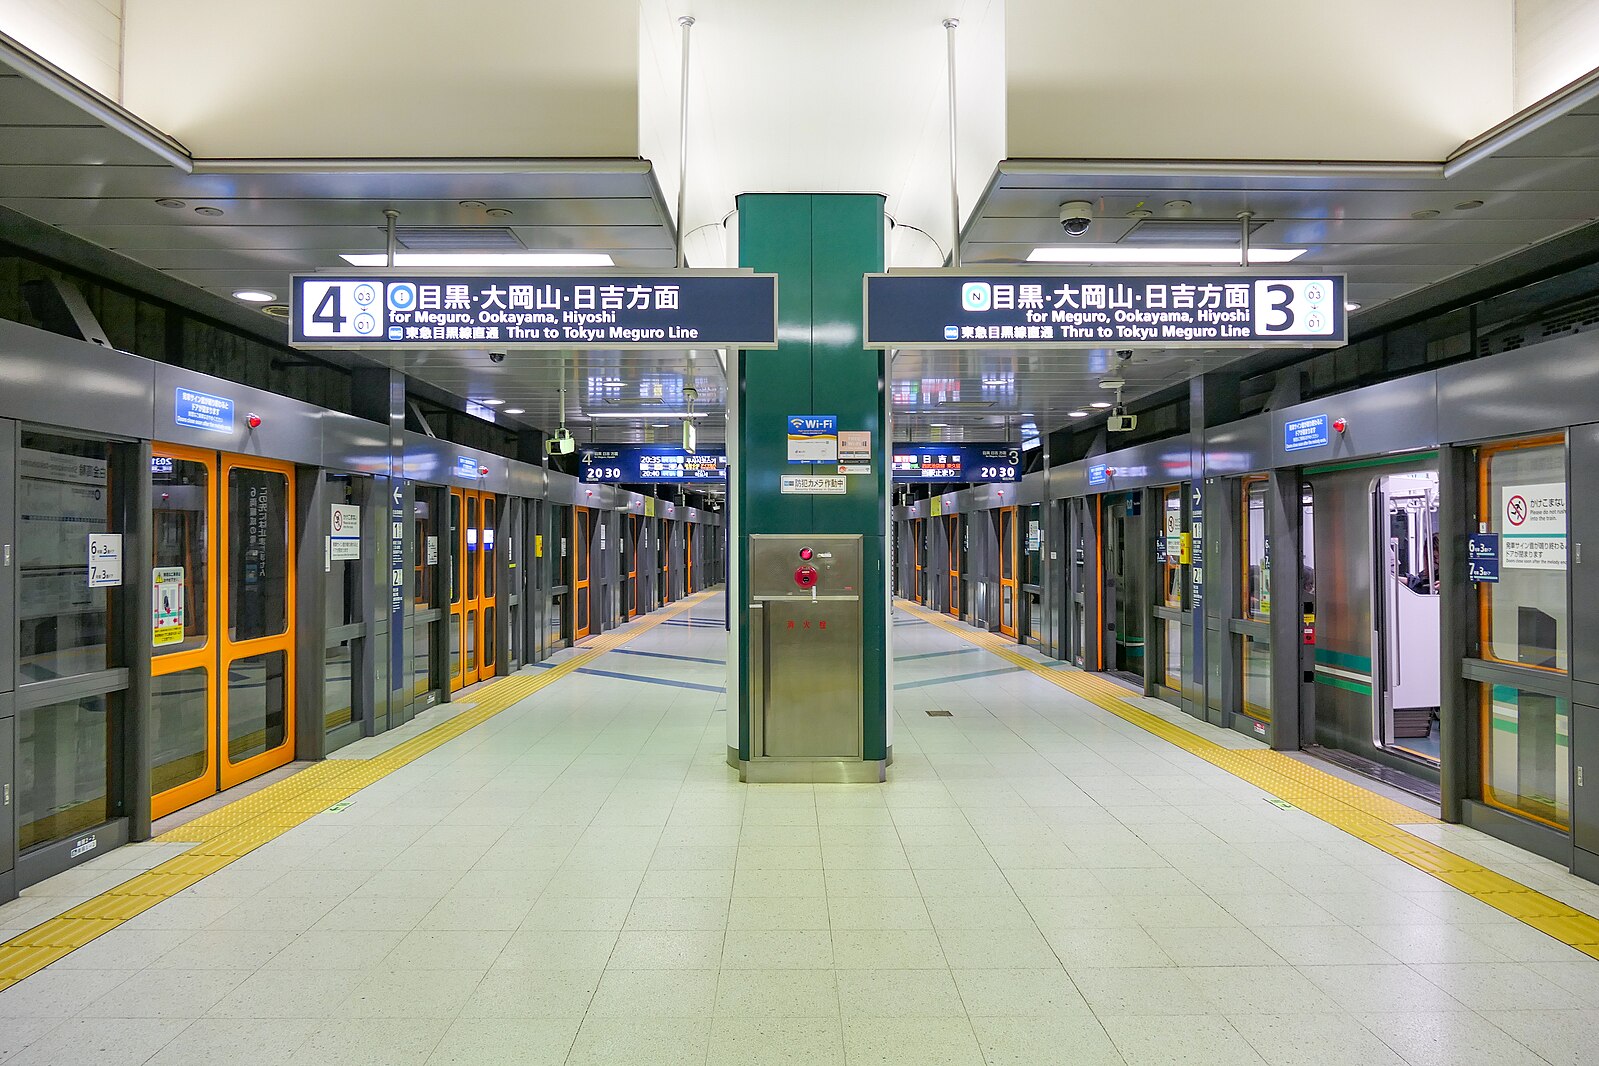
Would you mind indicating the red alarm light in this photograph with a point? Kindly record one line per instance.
(253, 420)
(1340, 424)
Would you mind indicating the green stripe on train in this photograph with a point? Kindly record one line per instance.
(1344, 661)
(1360, 687)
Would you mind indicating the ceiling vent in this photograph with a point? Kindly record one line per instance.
(1211, 231)
(458, 239)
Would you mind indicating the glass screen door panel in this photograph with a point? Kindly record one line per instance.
(581, 519)
(256, 720)
(183, 695)
(488, 643)
(1007, 571)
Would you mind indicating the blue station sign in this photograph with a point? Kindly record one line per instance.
(1236, 309)
(1303, 433)
(968, 463)
(685, 309)
(634, 464)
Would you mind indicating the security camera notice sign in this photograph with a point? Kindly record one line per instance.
(588, 310)
(1237, 309)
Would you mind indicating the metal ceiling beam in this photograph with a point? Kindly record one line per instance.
(34, 67)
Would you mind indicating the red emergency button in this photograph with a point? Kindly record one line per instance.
(805, 553)
(805, 577)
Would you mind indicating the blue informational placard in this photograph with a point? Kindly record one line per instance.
(688, 309)
(466, 466)
(197, 410)
(634, 464)
(1046, 309)
(1482, 556)
(1097, 474)
(1303, 433)
(971, 463)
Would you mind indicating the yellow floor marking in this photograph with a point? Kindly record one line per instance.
(225, 834)
(1368, 816)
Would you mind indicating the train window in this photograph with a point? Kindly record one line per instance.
(258, 554)
(1522, 497)
(1524, 756)
(1172, 573)
(180, 526)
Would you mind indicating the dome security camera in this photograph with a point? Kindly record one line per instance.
(1076, 216)
(496, 357)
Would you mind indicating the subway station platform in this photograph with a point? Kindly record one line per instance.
(565, 870)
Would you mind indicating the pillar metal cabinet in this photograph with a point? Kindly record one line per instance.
(805, 662)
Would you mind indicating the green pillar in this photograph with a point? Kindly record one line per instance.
(819, 246)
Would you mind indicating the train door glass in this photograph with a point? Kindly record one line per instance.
(342, 713)
(183, 656)
(1169, 600)
(488, 561)
(1405, 614)
(257, 646)
(69, 694)
(582, 519)
(1525, 719)
(457, 600)
(1007, 571)
(1255, 548)
(1123, 569)
(630, 582)
(510, 544)
(1032, 578)
(425, 585)
(558, 566)
(957, 561)
(919, 546)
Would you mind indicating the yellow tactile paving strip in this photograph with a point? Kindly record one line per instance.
(1366, 815)
(242, 826)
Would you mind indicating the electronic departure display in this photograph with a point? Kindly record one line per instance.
(958, 462)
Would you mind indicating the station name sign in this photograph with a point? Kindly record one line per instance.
(958, 462)
(633, 464)
(685, 309)
(1232, 309)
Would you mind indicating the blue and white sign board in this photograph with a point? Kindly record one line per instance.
(584, 310)
(105, 560)
(1048, 309)
(632, 464)
(466, 467)
(1303, 433)
(1533, 525)
(813, 438)
(1097, 474)
(971, 463)
(1482, 556)
(197, 410)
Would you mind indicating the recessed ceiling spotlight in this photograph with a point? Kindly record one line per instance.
(276, 310)
(516, 410)
(1348, 306)
(499, 212)
(1179, 208)
(1468, 205)
(473, 205)
(1077, 414)
(167, 201)
(1099, 405)
(254, 296)
(208, 212)
(491, 403)
(1424, 213)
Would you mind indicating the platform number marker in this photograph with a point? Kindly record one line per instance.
(1295, 307)
(342, 309)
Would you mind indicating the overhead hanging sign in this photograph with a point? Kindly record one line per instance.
(629, 464)
(1533, 526)
(584, 310)
(1220, 309)
(999, 462)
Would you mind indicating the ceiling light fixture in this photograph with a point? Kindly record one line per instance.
(492, 403)
(1099, 405)
(480, 259)
(254, 296)
(939, 425)
(170, 202)
(1351, 306)
(208, 212)
(641, 415)
(1155, 253)
(516, 410)
(1077, 414)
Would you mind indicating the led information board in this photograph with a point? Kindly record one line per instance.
(1238, 309)
(631, 464)
(700, 308)
(958, 462)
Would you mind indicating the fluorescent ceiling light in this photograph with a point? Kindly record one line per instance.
(1156, 253)
(479, 259)
(640, 415)
(939, 425)
(254, 296)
